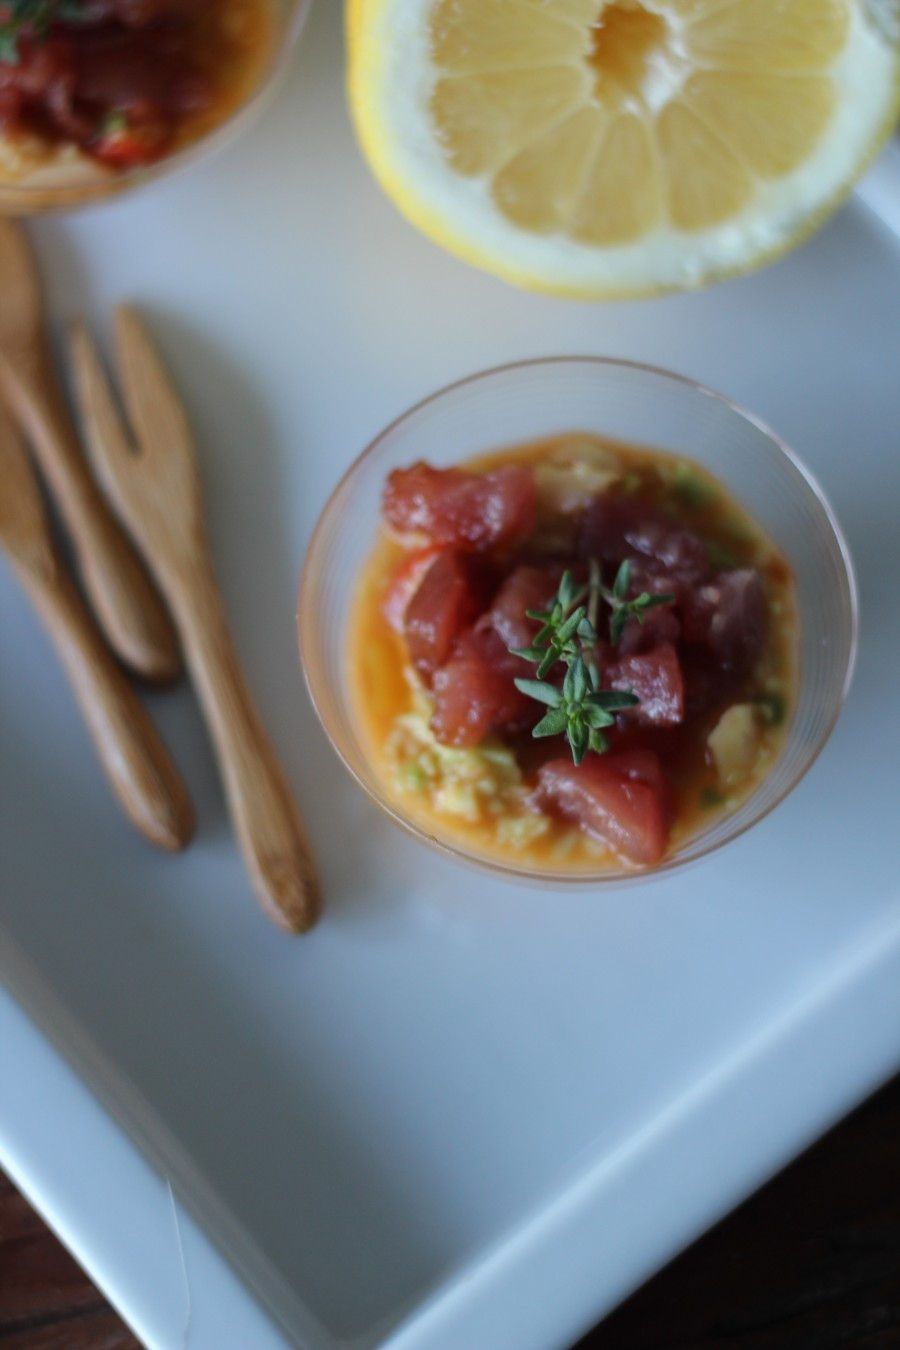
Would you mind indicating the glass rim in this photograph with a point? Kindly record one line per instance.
(623, 875)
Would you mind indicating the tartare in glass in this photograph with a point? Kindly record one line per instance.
(571, 653)
(93, 89)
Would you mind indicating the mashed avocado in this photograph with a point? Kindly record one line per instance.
(481, 785)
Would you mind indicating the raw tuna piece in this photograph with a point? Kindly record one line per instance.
(405, 582)
(707, 684)
(525, 588)
(660, 625)
(678, 551)
(728, 615)
(450, 596)
(117, 69)
(474, 692)
(656, 678)
(616, 528)
(472, 511)
(620, 798)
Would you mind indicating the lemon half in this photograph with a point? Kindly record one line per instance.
(620, 147)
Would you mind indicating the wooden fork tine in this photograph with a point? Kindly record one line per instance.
(108, 444)
(157, 414)
(22, 515)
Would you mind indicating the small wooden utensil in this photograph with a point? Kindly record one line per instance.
(125, 601)
(155, 488)
(137, 764)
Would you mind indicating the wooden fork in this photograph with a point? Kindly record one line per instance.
(154, 486)
(137, 764)
(126, 604)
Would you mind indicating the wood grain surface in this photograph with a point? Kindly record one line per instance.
(812, 1262)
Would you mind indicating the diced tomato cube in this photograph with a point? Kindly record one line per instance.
(474, 692)
(128, 145)
(448, 599)
(472, 511)
(621, 799)
(404, 584)
(656, 678)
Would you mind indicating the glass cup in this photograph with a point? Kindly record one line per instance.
(51, 189)
(628, 402)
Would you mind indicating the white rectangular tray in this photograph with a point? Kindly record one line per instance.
(459, 1114)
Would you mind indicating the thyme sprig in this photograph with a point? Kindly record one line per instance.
(580, 710)
(622, 609)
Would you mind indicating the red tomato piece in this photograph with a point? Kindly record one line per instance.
(474, 692)
(621, 799)
(126, 146)
(404, 584)
(448, 599)
(472, 511)
(657, 679)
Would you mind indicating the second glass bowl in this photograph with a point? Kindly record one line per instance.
(628, 402)
(52, 190)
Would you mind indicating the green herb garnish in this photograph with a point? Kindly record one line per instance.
(622, 609)
(711, 797)
(772, 709)
(559, 638)
(580, 710)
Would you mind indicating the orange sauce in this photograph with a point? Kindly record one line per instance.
(234, 43)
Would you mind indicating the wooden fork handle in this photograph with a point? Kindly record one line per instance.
(137, 764)
(125, 601)
(263, 811)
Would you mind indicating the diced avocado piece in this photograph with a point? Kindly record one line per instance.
(565, 488)
(692, 488)
(519, 831)
(412, 776)
(458, 799)
(469, 783)
(734, 742)
(772, 709)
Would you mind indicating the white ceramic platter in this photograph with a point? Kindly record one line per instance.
(460, 1114)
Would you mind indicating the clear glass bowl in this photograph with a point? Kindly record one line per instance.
(39, 194)
(629, 402)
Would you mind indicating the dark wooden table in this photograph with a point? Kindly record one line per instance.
(812, 1262)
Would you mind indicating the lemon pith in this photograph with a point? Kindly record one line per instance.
(618, 148)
